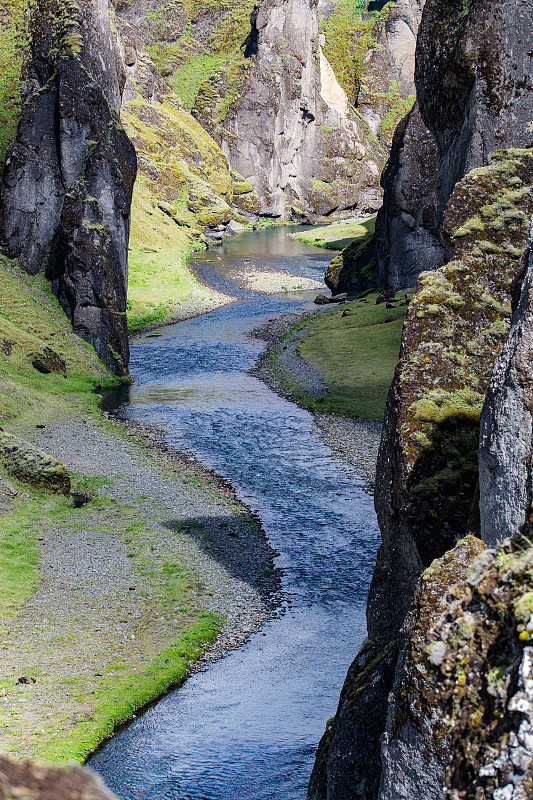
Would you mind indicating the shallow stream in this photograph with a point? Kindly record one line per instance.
(248, 727)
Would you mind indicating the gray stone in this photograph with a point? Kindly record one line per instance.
(66, 191)
(505, 472)
(32, 465)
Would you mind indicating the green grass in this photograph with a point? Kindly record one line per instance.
(338, 235)
(19, 558)
(191, 75)
(355, 355)
(118, 699)
(31, 320)
(80, 659)
(13, 36)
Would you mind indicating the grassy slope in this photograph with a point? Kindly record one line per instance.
(355, 355)
(12, 27)
(338, 235)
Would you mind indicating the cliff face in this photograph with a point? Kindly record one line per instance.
(427, 468)
(408, 239)
(505, 480)
(299, 142)
(68, 180)
(474, 91)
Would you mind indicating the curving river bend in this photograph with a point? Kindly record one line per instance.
(248, 727)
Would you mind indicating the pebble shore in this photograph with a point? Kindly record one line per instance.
(356, 441)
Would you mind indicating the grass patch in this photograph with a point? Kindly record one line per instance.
(19, 558)
(355, 355)
(117, 700)
(32, 320)
(191, 75)
(97, 656)
(338, 235)
(11, 44)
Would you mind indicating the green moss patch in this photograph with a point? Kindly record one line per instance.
(338, 235)
(355, 356)
(12, 42)
(32, 321)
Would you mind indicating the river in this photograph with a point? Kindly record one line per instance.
(248, 727)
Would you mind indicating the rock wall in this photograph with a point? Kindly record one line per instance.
(292, 131)
(387, 78)
(427, 471)
(407, 229)
(66, 190)
(505, 477)
(474, 87)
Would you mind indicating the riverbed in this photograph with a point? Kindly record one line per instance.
(247, 728)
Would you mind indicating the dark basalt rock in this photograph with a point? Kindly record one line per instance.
(474, 91)
(67, 186)
(407, 240)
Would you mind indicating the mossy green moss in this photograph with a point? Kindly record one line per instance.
(31, 320)
(12, 41)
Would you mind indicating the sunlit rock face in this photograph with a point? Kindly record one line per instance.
(68, 181)
(474, 91)
(292, 132)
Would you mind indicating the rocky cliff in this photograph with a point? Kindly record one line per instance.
(68, 180)
(427, 470)
(455, 343)
(474, 95)
(300, 143)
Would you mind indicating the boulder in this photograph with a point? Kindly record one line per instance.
(41, 782)
(34, 466)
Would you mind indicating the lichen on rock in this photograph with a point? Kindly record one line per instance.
(32, 465)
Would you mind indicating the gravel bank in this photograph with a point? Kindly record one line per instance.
(161, 542)
(357, 441)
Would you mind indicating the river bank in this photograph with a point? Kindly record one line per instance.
(125, 594)
(288, 374)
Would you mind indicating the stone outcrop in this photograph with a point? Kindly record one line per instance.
(299, 142)
(427, 471)
(474, 90)
(387, 71)
(460, 715)
(407, 238)
(38, 782)
(68, 180)
(29, 464)
(505, 477)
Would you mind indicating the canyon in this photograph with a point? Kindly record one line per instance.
(189, 122)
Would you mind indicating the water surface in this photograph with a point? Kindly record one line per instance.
(248, 727)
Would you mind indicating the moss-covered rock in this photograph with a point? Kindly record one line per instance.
(31, 465)
(354, 270)
(464, 685)
(456, 326)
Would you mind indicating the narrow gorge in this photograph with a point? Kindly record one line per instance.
(209, 505)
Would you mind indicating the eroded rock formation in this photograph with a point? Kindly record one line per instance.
(474, 90)
(68, 181)
(292, 131)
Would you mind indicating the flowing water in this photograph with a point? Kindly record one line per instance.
(248, 727)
